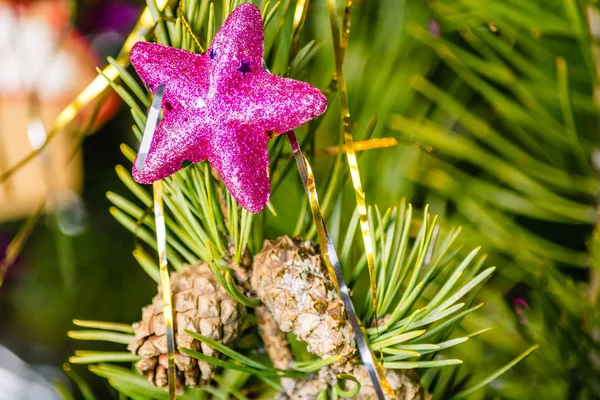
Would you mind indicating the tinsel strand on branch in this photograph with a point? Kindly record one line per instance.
(200, 304)
(291, 280)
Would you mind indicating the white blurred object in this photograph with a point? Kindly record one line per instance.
(30, 61)
(36, 133)
(18, 381)
(71, 212)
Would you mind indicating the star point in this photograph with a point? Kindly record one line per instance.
(213, 113)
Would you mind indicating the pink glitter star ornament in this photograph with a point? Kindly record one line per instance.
(221, 106)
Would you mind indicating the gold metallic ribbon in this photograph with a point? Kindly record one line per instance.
(380, 384)
(187, 26)
(297, 25)
(361, 206)
(161, 235)
(161, 244)
(340, 44)
(362, 145)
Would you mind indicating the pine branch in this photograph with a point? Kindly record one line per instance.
(433, 285)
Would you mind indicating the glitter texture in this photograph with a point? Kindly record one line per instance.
(221, 106)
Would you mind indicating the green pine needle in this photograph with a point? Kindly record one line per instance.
(112, 326)
(495, 375)
(105, 336)
(92, 357)
(84, 388)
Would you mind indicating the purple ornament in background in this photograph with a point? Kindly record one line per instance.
(222, 106)
(107, 24)
(434, 27)
(110, 16)
(521, 307)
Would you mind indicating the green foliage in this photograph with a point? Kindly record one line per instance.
(201, 216)
(418, 313)
(503, 98)
(511, 118)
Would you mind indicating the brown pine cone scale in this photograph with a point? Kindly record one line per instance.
(200, 305)
(291, 281)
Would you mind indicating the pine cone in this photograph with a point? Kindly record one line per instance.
(292, 283)
(200, 305)
(310, 387)
(276, 345)
(404, 383)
